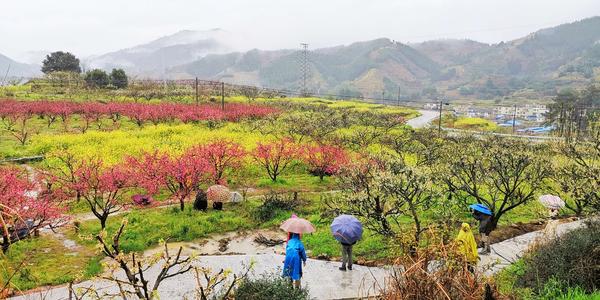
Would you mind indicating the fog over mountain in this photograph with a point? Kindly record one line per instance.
(531, 66)
(154, 57)
(10, 68)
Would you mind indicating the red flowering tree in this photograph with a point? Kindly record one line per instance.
(183, 174)
(148, 171)
(101, 187)
(275, 157)
(15, 117)
(24, 206)
(220, 155)
(324, 159)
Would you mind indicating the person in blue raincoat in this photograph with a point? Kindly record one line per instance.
(295, 256)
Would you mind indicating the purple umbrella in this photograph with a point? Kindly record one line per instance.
(346, 229)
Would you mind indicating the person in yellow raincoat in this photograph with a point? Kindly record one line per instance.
(467, 246)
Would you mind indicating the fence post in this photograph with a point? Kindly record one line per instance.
(440, 118)
(197, 100)
(223, 95)
(514, 119)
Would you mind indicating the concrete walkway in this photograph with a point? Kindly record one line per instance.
(508, 251)
(322, 278)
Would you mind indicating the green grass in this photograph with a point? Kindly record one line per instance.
(47, 262)
(145, 228)
(468, 123)
(507, 283)
(355, 105)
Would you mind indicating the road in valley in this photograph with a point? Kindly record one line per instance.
(424, 119)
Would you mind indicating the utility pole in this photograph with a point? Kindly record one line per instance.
(440, 119)
(514, 123)
(561, 121)
(398, 96)
(304, 69)
(383, 96)
(222, 95)
(197, 100)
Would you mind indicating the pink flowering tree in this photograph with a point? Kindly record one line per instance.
(147, 171)
(220, 156)
(102, 187)
(24, 206)
(181, 175)
(324, 159)
(275, 157)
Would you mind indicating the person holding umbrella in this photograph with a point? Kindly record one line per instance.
(484, 215)
(554, 204)
(295, 254)
(347, 230)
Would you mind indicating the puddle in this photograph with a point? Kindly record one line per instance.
(229, 243)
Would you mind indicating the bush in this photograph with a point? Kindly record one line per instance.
(269, 287)
(274, 202)
(437, 271)
(118, 78)
(572, 259)
(557, 290)
(96, 78)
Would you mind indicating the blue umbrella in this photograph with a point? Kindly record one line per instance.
(481, 208)
(346, 229)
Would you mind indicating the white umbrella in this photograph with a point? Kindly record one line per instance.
(552, 202)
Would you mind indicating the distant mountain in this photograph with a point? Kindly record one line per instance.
(450, 52)
(533, 66)
(154, 57)
(10, 68)
(376, 64)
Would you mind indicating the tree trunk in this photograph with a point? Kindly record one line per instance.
(5, 242)
(103, 221)
(181, 204)
(494, 223)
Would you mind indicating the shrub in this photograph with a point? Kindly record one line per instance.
(118, 78)
(96, 78)
(436, 272)
(274, 202)
(572, 259)
(558, 290)
(269, 287)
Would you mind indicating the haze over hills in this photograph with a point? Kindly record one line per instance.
(533, 66)
(11, 68)
(152, 58)
(530, 67)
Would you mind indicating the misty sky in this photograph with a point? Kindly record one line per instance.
(87, 27)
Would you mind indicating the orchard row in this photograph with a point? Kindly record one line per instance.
(103, 187)
(15, 115)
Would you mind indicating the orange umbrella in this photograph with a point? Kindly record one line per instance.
(297, 225)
